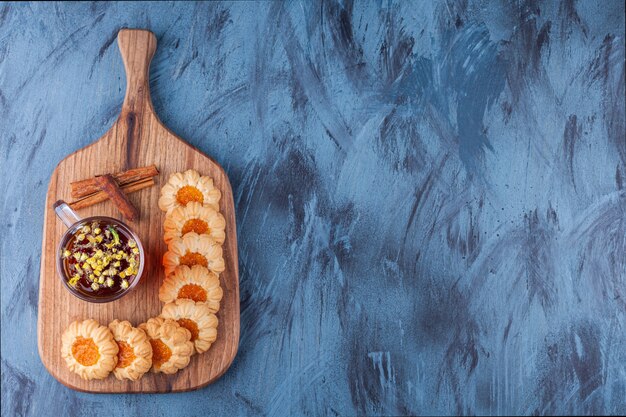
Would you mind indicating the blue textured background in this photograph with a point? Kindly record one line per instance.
(431, 198)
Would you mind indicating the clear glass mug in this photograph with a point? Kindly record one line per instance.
(74, 223)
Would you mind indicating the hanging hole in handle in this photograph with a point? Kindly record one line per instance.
(65, 213)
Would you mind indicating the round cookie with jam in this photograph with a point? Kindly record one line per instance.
(194, 217)
(197, 284)
(89, 349)
(189, 186)
(134, 357)
(195, 317)
(171, 345)
(193, 249)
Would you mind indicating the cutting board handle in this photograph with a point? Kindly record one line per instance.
(137, 47)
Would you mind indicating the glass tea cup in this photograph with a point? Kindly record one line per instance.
(75, 226)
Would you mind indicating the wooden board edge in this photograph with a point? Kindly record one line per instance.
(42, 264)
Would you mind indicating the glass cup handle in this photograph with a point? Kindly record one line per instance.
(65, 213)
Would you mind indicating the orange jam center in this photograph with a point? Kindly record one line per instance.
(188, 194)
(195, 225)
(191, 326)
(125, 356)
(193, 292)
(193, 258)
(160, 352)
(85, 351)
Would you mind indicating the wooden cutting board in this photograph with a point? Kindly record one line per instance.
(138, 138)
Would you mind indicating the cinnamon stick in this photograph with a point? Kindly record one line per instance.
(107, 184)
(89, 186)
(101, 196)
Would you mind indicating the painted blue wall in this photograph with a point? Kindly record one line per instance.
(430, 196)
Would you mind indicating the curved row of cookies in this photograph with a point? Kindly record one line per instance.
(194, 232)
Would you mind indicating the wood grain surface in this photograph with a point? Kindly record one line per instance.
(136, 139)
